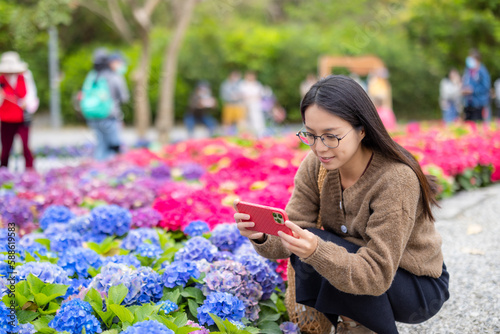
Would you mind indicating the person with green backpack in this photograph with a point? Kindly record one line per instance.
(103, 93)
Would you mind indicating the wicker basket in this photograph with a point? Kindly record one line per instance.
(309, 320)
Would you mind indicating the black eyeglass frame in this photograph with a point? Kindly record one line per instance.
(321, 137)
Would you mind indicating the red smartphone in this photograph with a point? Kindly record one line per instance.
(267, 219)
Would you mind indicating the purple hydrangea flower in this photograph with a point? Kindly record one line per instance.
(78, 260)
(196, 248)
(261, 272)
(55, 214)
(148, 326)
(74, 316)
(289, 327)
(128, 260)
(5, 176)
(223, 305)
(196, 228)
(232, 277)
(192, 171)
(168, 306)
(110, 219)
(45, 271)
(178, 273)
(149, 250)
(145, 217)
(6, 321)
(161, 171)
(202, 330)
(137, 237)
(227, 237)
(62, 241)
(16, 210)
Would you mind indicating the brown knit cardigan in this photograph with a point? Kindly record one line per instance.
(382, 212)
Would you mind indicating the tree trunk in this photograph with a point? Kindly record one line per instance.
(165, 116)
(142, 109)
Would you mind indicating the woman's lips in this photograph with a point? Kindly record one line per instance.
(325, 159)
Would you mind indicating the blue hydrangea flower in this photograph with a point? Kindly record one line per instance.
(45, 271)
(149, 250)
(196, 228)
(196, 248)
(137, 237)
(227, 237)
(56, 228)
(75, 315)
(29, 239)
(152, 288)
(289, 327)
(32, 249)
(223, 305)
(55, 214)
(148, 326)
(113, 274)
(62, 241)
(78, 260)
(27, 329)
(110, 219)
(80, 224)
(168, 306)
(128, 260)
(223, 255)
(6, 320)
(179, 272)
(262, 272)
(90, 236)
(76, 284)
(4, 287)
(5, 268)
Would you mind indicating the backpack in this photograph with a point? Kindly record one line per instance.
(96, 101)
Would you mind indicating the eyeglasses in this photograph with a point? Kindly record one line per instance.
(330, 140)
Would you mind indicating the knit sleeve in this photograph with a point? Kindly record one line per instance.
(393, 201)
(302, 209)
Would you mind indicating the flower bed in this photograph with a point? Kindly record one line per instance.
(146, 242)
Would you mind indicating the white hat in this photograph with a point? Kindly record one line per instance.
(11, 63)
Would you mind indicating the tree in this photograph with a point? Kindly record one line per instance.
(141, 12)
(165, 120)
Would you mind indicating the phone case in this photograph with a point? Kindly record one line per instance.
(267, 219)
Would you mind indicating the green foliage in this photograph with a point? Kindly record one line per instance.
(106, 246)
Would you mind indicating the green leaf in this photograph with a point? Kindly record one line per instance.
(117, 294)
(194, 293)
(29, 258)
(181, 320)
(36, 285)
(142, 312)
(93, 296)
(269, 303)
(26, 316)
(53, 307)
(45, 242)
(193, 307)
(268, 315)
(42, 325)
(174, 295)
(111, 331)
(55, 290)
(269, 327)
(122, 312)
(218, 321)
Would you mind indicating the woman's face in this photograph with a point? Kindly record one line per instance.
(318, 121)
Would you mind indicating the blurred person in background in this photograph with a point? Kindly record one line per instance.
(201, 104)
(450, 96)
(379, 86)
(252, 92)
(18, 101)
(476, 85)
(103, 93)
(233, 110)
(386, 115)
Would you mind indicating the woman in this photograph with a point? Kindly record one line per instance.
(15, 93)
(378, 258)
(450, 96)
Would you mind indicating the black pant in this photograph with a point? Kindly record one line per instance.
(473, 113)
(410, 299)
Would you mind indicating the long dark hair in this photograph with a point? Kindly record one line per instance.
(345, 98)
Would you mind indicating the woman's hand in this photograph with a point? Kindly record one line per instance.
(242, 226)
(303, 243)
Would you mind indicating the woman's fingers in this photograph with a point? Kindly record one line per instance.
(303, 243)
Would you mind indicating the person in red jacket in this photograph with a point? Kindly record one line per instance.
(12, 104)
